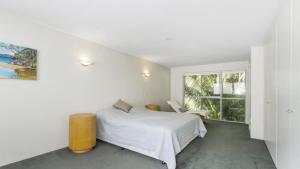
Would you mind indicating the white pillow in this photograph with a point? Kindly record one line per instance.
(175, 105)
(121, 105)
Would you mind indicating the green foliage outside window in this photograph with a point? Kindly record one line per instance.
(205, 92)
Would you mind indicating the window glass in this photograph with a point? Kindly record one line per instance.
(224, 100)
(233, 110)
(234, 84)
(210, 85)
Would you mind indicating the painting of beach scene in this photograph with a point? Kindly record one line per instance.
(17, 62)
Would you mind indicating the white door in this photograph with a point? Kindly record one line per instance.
(283, 77)
(295, 99)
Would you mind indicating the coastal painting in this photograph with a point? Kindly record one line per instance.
(17, 62)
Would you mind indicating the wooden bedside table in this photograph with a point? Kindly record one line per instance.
(153, 107)
(82, 132)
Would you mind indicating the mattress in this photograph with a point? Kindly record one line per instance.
(160, 135)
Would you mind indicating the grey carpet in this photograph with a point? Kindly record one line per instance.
(226, 146)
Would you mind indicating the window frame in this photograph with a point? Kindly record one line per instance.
(221, 98)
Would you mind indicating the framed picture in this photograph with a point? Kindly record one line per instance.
(17, 62)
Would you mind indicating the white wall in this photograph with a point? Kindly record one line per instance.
(177, 74)
(34, 114)
(270, 93)
(257, 93)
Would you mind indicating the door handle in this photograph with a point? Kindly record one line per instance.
(290, 111)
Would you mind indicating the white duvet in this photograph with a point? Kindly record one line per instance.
(160, 135)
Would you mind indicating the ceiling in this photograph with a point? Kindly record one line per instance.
(169, 32)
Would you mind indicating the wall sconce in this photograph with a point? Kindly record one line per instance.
(146, 75)
(86, 62)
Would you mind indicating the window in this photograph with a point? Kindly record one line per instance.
(233, 97)
(221, 94)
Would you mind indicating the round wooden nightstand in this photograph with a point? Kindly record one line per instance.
(153, 107)
(82, 132)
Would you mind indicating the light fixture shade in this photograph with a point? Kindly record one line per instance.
(146, 75)
(86, 62)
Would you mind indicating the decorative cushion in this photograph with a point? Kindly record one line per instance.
(121, 105)
(176, 106)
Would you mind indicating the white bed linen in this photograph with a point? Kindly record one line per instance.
(160, 135)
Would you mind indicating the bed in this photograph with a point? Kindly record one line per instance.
(160, 135)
